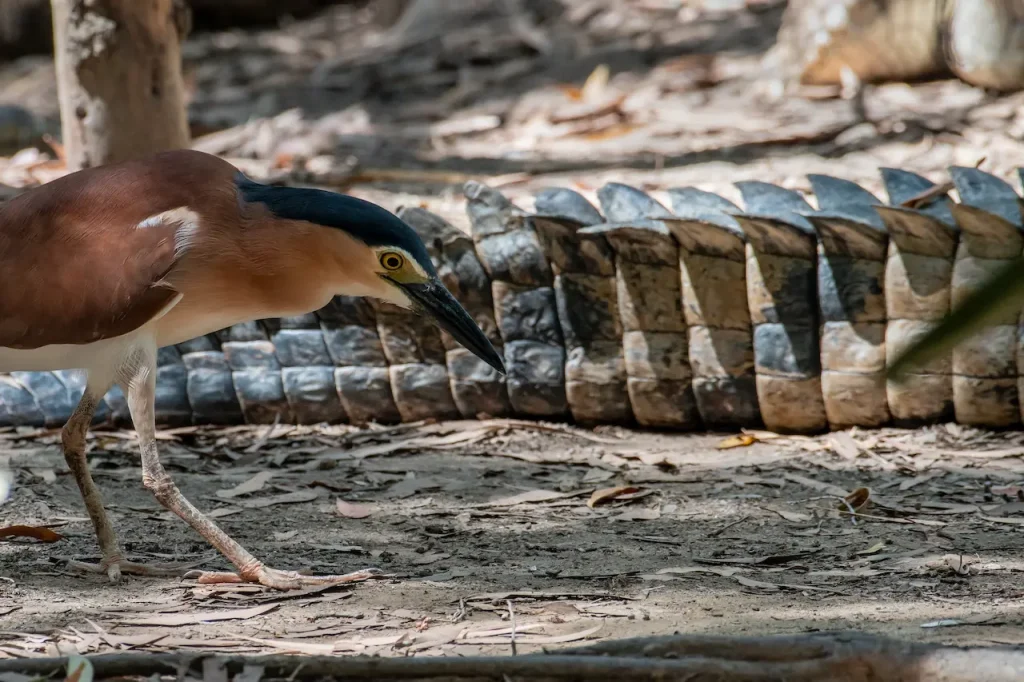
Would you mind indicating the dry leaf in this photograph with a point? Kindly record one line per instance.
(34, 532)
(1016, 521)
(351, 510)
(771, 560)
(639, 515)
(684, 570)
(286, 535)
(254, 484)
(740, 440)
(79, 669)
(609, 132)
(598, 476)
(844, 445)
(285, 498)
(609, 494)
(856, 500)
(527, 497)
(175, 619)
(424, 559)
(537, 639)
(572, 92)
(873, 549)
(408, 487)
(750, 582)
(816, 485)
(47, 475)
(595, 83)
(794, 516)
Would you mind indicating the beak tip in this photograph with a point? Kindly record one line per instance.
(498, 365)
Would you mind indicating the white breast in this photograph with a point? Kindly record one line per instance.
(100, 357)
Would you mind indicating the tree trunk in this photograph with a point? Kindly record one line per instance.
(119, 78)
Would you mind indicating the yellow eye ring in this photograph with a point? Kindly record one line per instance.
(392, 261)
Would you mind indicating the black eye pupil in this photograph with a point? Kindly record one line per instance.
(392, 261)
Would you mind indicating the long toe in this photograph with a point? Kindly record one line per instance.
(285, 580)
(117, 569)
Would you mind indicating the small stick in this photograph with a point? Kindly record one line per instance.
(927, 195)
(716, 533)
(512, 619)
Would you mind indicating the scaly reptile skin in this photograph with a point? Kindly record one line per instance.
(705, 316)
(981, 41)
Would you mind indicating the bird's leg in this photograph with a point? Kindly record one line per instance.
(141, 389)
(73, 442)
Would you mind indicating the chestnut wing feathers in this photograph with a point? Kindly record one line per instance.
(71, 274)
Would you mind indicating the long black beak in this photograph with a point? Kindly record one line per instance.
(436, 301)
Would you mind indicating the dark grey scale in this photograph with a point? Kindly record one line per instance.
(852, 250)
(588, 314)
(361, 376)
(312, 394)
(477, 389)
(244, 331)
(206, 391)
(172, 406)
(415, 351)
(622, 203)
(918, 273)
(525, 311)
(985, 368)
(781, 255)
(712, 259)
(200, 344)
(565, 203)
(18, 405)
(168, 355)
(210, 389)
(256, 373)
(116, 406)
(50, 394)
(75, 381)
(307, 371)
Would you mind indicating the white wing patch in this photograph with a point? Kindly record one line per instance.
(185, 218)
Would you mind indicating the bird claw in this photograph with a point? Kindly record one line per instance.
(283, 580)
(116, 568)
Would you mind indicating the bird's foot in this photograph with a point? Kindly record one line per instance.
(282, 580)
(116, 567)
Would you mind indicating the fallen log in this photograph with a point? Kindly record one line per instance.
(819, 657)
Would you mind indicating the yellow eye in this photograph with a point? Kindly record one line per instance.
(391, 260)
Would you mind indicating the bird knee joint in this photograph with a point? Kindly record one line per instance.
(72, 437)
(162, 487)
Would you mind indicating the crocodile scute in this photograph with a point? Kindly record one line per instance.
(782, 311)
(979, 41)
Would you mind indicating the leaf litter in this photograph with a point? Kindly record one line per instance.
(571, 515)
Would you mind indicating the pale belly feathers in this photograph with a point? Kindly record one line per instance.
(176, 323)
(107, 355)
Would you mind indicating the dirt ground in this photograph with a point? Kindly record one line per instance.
(485, 528)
